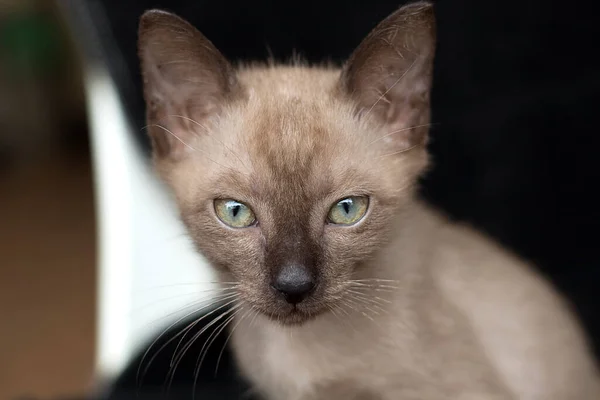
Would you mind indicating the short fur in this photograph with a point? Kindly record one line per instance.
(408, 305)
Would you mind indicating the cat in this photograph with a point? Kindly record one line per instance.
(299, 185)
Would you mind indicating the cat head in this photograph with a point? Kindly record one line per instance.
(290, 178)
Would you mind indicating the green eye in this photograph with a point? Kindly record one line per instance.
(234, 213)
(349, 210)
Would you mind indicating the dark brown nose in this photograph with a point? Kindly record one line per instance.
(294, 282)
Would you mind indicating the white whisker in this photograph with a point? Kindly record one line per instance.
(206, 296)
(254, 318)
(191, 342)
(203, 302)
(371, 300)
(152, 288)
(398, 131)
(188, 145)
(348, 302)
(361, 304)
(229, 337)
(210, 340)
(140, 381)
(403, 150)
(175, 136)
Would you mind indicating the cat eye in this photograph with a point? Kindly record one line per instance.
(234, 214)
(348, 211)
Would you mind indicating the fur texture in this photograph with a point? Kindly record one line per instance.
(407, 304)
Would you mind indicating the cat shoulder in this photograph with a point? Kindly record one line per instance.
(528, 330)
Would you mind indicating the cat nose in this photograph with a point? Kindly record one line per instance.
(294, 282)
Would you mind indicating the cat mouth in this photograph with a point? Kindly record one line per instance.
(294, 315)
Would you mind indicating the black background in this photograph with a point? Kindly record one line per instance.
(515, 102)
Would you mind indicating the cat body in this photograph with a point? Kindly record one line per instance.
(298, 184)
(471, 321)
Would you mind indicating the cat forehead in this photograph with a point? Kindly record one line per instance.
(292, 117)
(291, 134)
(285, 139)
(291, 81)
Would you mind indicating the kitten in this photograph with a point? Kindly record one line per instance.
(298, 183)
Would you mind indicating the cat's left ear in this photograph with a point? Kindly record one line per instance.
(389, 74)
(186, 81)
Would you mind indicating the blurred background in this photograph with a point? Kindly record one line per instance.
(515, 145)
(47, 223)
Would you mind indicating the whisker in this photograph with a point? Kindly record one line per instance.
(139, 377)
(373, 300)
(214, 334)
(175, 352)
(359, 305)
(231, 284)
(403, 150)
(344, 311)
(367, 289)
(185, 331)
(177, 296)
(373, 285)
(140, 381)
(254, 318)
(187, 145)
(229, 337)
(350, 304)
(190, 120)
(362, 304)
(332, 309)
(347, 321)
(189, 344)
(211, 302)
(209, 290)
(398, 131)
(175, 136)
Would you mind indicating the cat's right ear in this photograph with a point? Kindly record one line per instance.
(186, 81)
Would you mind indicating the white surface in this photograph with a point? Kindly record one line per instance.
(147, 268)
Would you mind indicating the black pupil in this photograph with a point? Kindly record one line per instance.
(346, 204)
(235, 210)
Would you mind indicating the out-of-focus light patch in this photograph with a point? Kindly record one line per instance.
(148, 272)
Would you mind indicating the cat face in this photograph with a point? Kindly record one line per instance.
(290, 178)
